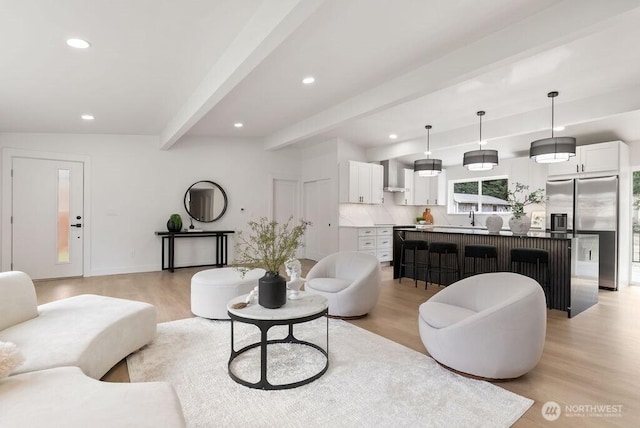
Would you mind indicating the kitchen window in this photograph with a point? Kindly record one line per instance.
(482, 195)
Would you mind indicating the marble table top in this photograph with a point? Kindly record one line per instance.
(306, 305)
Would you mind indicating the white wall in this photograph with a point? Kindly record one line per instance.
(135, 187)
(634, 155)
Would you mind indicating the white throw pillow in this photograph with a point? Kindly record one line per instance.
(10, 358)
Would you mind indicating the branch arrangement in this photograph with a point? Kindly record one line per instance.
(269, 244)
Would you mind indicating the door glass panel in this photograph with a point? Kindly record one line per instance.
(63, 216)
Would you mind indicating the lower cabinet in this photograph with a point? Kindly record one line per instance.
(377, 241)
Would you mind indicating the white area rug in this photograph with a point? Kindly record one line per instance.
(371, 381)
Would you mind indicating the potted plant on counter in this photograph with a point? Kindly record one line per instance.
(518, 198)
(269, 245)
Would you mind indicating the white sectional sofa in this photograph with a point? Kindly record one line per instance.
(66, 397)
(67, 345)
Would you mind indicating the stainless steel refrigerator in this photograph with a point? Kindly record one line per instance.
(591, 205)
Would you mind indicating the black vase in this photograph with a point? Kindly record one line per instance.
(172, 226)
(272, 290)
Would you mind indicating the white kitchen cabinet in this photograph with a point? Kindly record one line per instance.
(591, 160)
(377, 241)
(361, 182)
(377, 173)
(430, 190)
(406, 197)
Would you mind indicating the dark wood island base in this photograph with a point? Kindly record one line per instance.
(573, 259)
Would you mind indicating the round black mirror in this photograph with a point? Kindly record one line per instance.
(205, 201)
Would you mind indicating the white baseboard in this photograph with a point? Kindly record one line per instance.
(125, 269)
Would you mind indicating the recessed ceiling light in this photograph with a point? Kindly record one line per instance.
(87, 117)
(238, 124)
(428, 153)
(308, 80)
(483, 142)
(393, 136)
(558, 128)
(78, 43)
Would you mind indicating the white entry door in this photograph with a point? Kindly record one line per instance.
(318, 211)
(47, 217)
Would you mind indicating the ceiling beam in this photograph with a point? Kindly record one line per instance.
(497, 50)
(272, 23)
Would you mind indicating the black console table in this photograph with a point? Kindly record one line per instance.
(221, 246)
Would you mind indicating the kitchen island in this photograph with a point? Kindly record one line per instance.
(573, 259)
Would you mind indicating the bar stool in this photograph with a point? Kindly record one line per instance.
(484, 255)
(534, 263)
(446, 256)
(414, 246)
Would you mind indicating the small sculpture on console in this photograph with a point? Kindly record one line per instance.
(294, 270)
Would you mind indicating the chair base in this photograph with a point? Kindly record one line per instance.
(472, 376)
(354, 317)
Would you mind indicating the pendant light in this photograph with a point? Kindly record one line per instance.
(480, 160)
(554, 149)
(428, 167)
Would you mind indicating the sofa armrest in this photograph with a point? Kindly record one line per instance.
(18, 301)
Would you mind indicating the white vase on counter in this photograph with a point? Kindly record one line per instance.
(494, 223)
(521, 225)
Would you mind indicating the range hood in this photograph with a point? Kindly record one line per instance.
(393, 176)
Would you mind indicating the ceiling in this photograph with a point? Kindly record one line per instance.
(196, 67)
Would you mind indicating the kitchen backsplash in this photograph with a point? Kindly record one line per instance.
(389, 213)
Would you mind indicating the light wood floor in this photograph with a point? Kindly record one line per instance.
(592, 359)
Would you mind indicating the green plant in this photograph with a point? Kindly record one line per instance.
(519, 198)
(268, 244)
(419, 219)
(176, 220)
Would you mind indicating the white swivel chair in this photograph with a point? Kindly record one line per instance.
(349, 280)
(490, 325)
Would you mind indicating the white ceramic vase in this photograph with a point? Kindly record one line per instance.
(520, 226)
(494, 223)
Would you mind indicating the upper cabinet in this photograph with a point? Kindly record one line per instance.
(361, 183)
(422, 190)
(406, 197)
(591, 160)
(430, 190)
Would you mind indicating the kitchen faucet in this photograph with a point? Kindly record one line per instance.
(472, 216)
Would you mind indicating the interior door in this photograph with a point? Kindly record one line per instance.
(47, 217)
(285, 200)
(317, 211)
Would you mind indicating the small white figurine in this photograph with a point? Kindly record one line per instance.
(294, 270)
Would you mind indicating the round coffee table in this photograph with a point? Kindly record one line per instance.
(307, 308)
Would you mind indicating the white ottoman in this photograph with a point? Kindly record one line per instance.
(211, 289)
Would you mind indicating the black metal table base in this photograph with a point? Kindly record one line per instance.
(170, 237)
(264, 326)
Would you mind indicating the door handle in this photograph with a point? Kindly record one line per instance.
(77, 225)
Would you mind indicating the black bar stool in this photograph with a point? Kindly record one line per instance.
(484, 255)
(443, 259)
(534, 263)
(414, 246)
